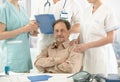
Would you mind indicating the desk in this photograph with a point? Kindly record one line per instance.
(22, 77)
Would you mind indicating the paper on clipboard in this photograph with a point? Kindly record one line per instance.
(45, 21)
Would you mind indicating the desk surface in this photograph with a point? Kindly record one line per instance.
(22, 77)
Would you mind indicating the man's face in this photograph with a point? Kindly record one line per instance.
(61, 33)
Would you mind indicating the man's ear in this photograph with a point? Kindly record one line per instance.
(69, 33)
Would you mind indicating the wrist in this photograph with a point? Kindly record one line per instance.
(89, 45)
(22, 30)
(25, 29)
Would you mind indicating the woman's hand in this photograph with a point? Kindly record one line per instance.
(32, 27)
(81, 47)
(34, 33)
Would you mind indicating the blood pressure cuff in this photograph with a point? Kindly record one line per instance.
(82, 76)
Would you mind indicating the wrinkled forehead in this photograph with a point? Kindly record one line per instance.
(60, 25)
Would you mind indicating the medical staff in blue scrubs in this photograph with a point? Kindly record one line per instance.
(14, 30)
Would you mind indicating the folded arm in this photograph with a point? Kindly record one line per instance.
(73, 63)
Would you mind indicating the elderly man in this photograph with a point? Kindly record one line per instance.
(59, 57)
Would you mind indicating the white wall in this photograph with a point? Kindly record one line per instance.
(0, 2)
(114, 5)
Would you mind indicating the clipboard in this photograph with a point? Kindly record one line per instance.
(45, 23)
(39, 78)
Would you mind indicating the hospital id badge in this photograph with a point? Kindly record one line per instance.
(64, 15)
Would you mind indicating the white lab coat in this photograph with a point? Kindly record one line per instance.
(74, 13)
(43, 39)
(99, 59)
(71, 7)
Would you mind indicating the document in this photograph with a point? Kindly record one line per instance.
(45, 22)
(39, 78)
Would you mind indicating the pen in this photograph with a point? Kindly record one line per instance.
(7, 69)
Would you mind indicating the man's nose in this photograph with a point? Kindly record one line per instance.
(59, 32)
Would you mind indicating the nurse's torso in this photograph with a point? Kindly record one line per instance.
(17, 50)
(93, 28)
(98, 59)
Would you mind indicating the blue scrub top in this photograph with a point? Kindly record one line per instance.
(16, 50)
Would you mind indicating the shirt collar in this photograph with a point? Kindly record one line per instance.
(64, 44)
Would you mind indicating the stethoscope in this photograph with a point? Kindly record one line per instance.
(64, 13)
(64, 4)
(49, 4)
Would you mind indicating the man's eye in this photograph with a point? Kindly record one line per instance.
(56, 30)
